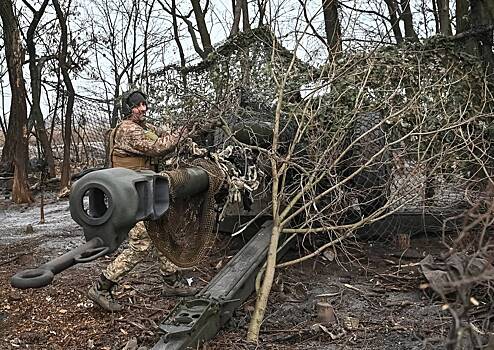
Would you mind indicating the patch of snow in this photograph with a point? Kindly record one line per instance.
(14, 221)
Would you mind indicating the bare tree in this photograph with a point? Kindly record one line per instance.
(35, 68)
(192, 32)
(394, 15)
(15, 151)
(176, 35)
(124, 40)
(245, 15)
(172, 10)
(240, 10)
(109, 46)
(462, 23)
(200, 16)
(149, 9)
(444, 21)
(261, 5)
(406, 14)
(3, 73)
(65, 63)
(332, 26)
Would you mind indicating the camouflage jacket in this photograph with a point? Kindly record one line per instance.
(132, 139)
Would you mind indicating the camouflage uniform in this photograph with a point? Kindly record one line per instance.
(132, 146)
(139, 247)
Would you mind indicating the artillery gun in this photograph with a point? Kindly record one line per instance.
(108, 203)
(95, 204)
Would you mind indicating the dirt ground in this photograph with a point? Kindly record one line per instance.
(373, 289)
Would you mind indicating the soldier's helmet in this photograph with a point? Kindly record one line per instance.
(130, 100)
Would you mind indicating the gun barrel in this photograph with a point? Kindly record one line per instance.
(107, 204)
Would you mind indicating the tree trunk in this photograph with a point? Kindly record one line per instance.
(240, 9)
(332, 27)
(237, 11)
(64, 62)
(15, 152)
(406, 14)
(35, 68)
(58, 97)
(394, 17)
(3, 121)
(261, 4)
(202, 27)
(436, 17)
(173, 9)
(482, 15)
(114, 114)
(267, 283)
(11, 38)
(245, 15)
(462, 24)
(444, 23)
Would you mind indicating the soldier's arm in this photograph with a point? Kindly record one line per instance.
(157, 130)
(138, 141)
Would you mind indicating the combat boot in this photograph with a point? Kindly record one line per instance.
(175, 284)
(100, 293)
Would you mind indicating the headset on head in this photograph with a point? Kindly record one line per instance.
(126, 109)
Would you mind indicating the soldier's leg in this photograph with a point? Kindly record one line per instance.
(100, 291)
(166, 266)
(139, 244)
(174, 282)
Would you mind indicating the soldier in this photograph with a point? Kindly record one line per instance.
(132, 145)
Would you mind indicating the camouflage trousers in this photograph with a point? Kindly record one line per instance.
(140, 245)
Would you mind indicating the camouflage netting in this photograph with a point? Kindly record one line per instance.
(234, 81)
(185, 234)
(90, 123)
(407, 127)
(434, 139)
(437, 108)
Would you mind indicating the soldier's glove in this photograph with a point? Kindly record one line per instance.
(150, 135)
